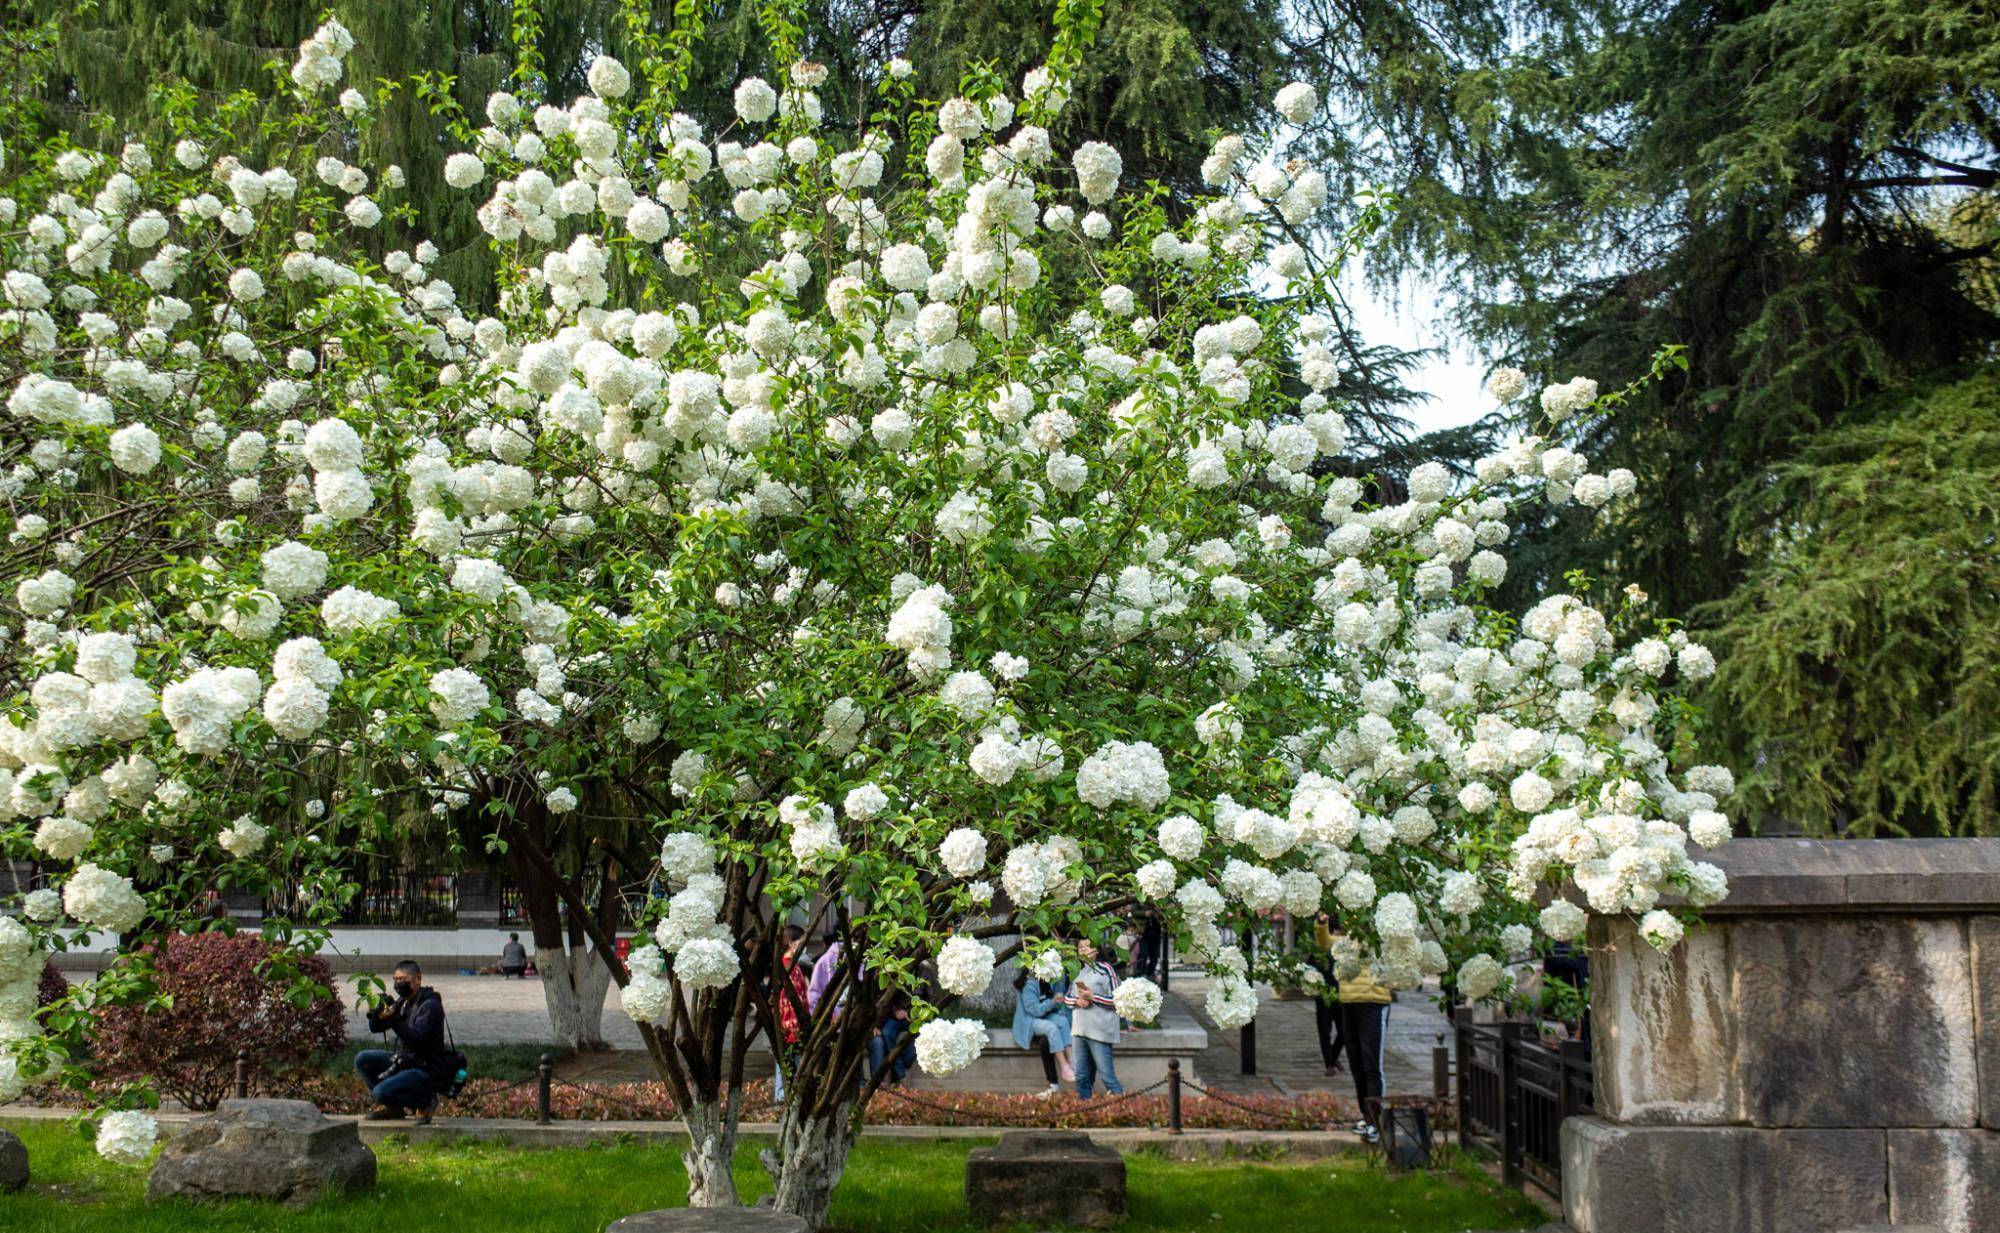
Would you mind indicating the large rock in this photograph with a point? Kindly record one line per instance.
(709, 1220)
(13, 1163)
(1663, 1029)
(1853, 1021)
(1720, 1179)
(285, 1150)
(1949, 1179)
(1985, 933)
(1046, 1177)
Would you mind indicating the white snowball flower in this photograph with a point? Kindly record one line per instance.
(963, 853)
(1157, 879)
(706, 963)
(608, 78)
(99, 897)
(1563, 921)
(947, 1046)
(755, 100)
(1181, 837)
(1231, 1002)
(463, 170)
(457, 696)
(1138, 1000)
(1119, 771)
(243, 838)
(135, 449)
(1661, 928)
(1297, 102)
(965, 966)
(1479, 976)
(865, 802)
(1708, 828)
(127, 1136)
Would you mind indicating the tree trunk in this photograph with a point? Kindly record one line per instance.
(809, 1159)
(574, 985)
(575, 978)
(711, 1128)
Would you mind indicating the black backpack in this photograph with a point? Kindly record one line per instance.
(461, 1066)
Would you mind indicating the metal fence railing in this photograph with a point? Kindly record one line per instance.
(1514, 1093)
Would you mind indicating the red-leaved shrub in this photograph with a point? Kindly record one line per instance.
(228, 993)
(54, 988)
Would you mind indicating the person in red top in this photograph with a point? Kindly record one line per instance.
(790, 1002)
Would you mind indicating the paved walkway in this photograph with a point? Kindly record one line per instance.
(494, 1010)
(1288, 1057)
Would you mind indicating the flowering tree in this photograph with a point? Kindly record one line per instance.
(784, 508)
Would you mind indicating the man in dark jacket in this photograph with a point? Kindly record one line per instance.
(412, 1077)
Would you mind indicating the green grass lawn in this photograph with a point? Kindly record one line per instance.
(890, 1188)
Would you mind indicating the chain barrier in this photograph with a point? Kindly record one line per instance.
(1225, 1098)
(633, 1113)
(987, 1118)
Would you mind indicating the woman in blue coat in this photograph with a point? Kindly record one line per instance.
(1041, 1023)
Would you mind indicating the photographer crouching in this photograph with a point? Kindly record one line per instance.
(424, 1066)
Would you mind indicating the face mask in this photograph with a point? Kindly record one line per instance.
(402, 988)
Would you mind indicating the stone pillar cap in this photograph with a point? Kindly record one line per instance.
(1858, 875)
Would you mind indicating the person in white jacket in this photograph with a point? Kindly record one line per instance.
(1093, 1022)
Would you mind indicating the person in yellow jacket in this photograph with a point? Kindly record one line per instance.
(1364, 1021)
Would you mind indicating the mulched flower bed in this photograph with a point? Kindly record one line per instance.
(650, 1101)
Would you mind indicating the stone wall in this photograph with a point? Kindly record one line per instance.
(1823, 1054)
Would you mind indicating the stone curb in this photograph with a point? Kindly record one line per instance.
(518, 1132)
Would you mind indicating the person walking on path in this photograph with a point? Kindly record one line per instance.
(1326, 1004)
(1042, 1024)
(1364, 1021)
(1094, 1025)
(412, 1077)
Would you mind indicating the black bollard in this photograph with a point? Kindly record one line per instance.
(544, 1074)
(1173, 1095)
(242, 1074)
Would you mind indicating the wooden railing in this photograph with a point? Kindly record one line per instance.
(1514, 1093)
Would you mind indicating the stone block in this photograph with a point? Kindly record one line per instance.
(1720, 1179)
(709, 1220)
(1045, 1177)
(1664, 1032)
(13, 1163)
(1853, 1020)
(1985, 936)
(1949, 1179)
(283, 1150)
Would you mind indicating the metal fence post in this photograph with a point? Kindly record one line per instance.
(1440, 1070)
(544, 1073)
(1464, 1054)
(242, 1074)
(1510, 1104)
(1570, 1054)
(1173, 1095)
